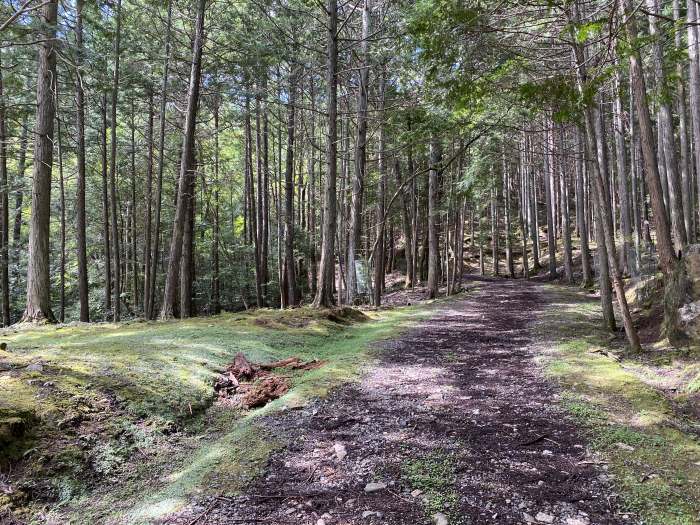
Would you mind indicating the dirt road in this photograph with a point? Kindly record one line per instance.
(455, 424)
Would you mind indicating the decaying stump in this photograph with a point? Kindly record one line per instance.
(252, 385)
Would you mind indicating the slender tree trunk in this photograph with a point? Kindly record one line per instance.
(582, 216)
(667, 257)
(155, 249)
(289, 274)
(5, 215)
(627, 256)
(62, 224)
(149, 211)
(686, 169)
(107, 250)
(80, 221)
(564, 210)
(595, 141)
(360, 156)
(215, 281)
(186, 260)
(324, 292)
(548, 192)
(186, 168)
(19, 183)
(694, 84)
(522, 217)
(38, 308)
(134, 258)
(116, 254)
(379, 256)
(665, 130)
(433, 241)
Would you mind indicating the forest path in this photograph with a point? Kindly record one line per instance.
(456, 408)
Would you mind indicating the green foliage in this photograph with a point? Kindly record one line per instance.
(434, 475)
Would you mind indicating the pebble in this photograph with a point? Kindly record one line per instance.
(340, 451)
(439, 518)
(35, 367)
(416, 493)
(528, 518)
(374, 487)
(544, 517)
(577, 521)
(624, 446)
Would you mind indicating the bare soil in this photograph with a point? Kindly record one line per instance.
(461, 396)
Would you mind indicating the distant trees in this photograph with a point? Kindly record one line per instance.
(302, 154)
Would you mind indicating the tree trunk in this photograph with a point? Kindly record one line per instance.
(548, 192)
(38, 307)
(62, 224)
(289, 272)
(360, 156)
(149, 211)
(665, 130)
(433, 241)
(686, 169)
(116, 255)
(107, 250)
(582, 216)
(186, 169)
(80, 221)
(694, 83)
(627, 256)
(564, 210)
(215, 306)
(155, 249)
(324, 292)
(379, 256)
(5, 215)
(667, 257)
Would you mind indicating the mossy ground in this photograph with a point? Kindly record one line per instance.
(126, 427)
(649, 448)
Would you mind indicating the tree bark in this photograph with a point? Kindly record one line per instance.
(5, 215)
(548, 192)
(326, 276)
(161, 163)
(289, 272)
(360, 156)
(38, 308)
(186, 168)
(433, 241)
(116, 254)
(80, 221)
(667, 257)
(379, 256)
(665, 130)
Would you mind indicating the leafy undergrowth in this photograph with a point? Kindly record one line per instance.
(117, 423)
(650, 449)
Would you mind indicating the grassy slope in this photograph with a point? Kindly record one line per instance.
(127, 408)
(651, 452)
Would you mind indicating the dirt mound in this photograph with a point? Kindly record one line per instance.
(346, 315)
(252, 385)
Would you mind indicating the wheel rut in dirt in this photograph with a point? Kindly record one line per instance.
(455, 418)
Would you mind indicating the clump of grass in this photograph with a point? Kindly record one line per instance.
(433, 474)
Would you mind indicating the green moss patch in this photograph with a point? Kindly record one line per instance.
(124, 428)
(632, 426)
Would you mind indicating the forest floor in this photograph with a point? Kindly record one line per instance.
(503, 404)
(477, 415)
